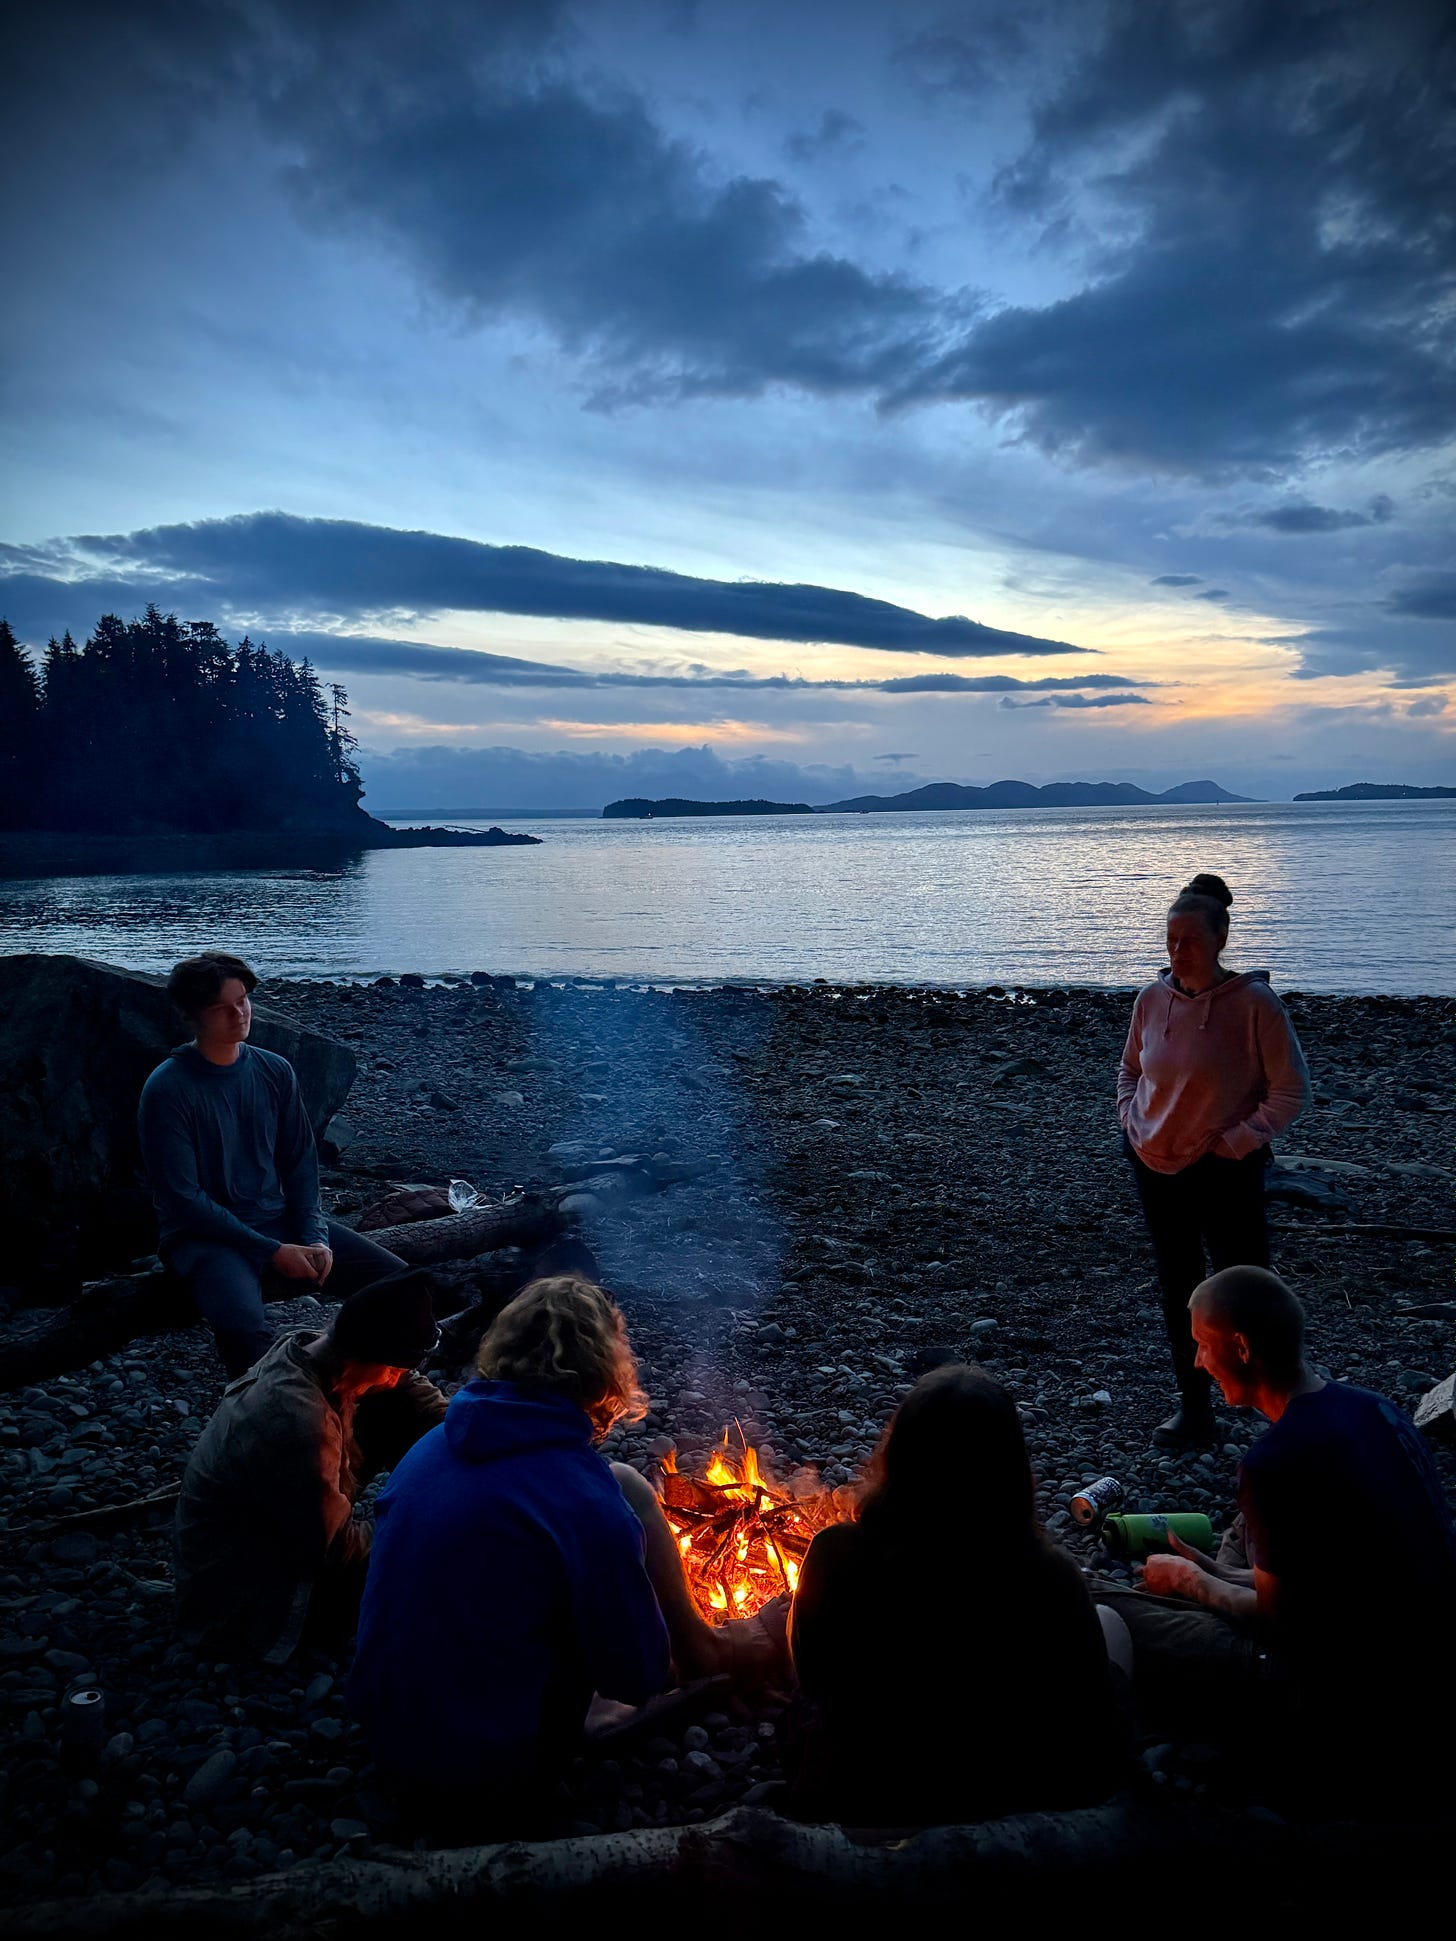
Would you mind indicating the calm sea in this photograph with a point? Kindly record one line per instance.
(1328, 896)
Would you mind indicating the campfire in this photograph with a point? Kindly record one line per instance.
(742, 1538)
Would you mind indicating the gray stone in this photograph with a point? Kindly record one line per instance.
(210, 1778)
(1436, 1412)
(76, 1547)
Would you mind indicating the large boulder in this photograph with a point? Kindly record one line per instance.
(77, 1040)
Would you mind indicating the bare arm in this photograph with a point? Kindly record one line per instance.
(1170, 1576)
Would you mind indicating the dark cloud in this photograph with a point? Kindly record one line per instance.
(908, 756)
(1411, 650)
(964, 53)
(836, 134)
(1251, 200)
(1213, 593)
(1429, 596)
(1176, 579)
(563, 204)
(361, 654)
(272, 563)
(995, 683)
(1264, 192)
(1080, 701)
(1431, 704)
(1299, 516)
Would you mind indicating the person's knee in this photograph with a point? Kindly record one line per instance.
(640, 1494)
(228, 1291)
(1117, 1638)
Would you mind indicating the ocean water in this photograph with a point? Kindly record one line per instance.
(1357, 897)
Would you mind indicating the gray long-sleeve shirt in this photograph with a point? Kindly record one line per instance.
(229, 1150)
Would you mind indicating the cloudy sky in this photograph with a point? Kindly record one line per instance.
(755, 396)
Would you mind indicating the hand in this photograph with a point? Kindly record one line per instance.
(1167, 1576)
(323, 1258)
(1199, 1557)
(298, 1263)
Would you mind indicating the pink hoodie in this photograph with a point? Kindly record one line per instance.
(1221, 1072)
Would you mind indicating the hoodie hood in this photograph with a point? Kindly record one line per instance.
(1205, 1000)
(487, 1421)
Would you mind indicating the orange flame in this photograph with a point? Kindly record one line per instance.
(741, 1537)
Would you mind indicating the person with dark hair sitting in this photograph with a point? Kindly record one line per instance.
(269, 1549)
(515, 1573)
(1211, 1070)
(955, 1666)
(230, 1158)
(1331, 1607)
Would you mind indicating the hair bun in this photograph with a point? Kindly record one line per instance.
(1214, 886)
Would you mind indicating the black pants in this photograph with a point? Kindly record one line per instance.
(230, 1290)
(1209, 1216)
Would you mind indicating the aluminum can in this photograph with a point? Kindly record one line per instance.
(83, 1724)
(1098, 1500)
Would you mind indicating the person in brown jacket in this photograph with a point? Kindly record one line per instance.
(268, 1545)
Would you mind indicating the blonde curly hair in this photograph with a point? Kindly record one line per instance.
(565, 1333)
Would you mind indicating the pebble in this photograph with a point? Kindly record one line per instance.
(210, 1778)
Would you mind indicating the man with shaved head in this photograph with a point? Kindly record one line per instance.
(1333, 1599)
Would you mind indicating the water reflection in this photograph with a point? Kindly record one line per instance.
(1328, 896)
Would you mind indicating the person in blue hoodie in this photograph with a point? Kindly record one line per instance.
(515, 1573)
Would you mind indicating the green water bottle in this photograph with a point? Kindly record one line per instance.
(1140, 1536)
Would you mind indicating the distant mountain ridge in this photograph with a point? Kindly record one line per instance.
(638, 808)
(1377, 792)
(1025, 795)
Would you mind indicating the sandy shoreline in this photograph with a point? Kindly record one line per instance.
(860, 1182)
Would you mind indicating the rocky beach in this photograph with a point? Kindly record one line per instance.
(802, 1198)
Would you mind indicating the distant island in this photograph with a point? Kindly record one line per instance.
(1377, 792)
(157, 746)
(636, 808)
(1024, 795)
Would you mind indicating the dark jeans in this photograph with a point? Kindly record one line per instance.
(230, 1291)
(1214, 1209)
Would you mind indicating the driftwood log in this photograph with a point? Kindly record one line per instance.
(523, 1222)
(751, 1866)
(1338, 1231)
(107, 1314)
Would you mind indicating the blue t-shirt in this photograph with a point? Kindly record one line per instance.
(1344, 1506)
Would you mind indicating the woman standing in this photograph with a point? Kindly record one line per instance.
(1210, 1072)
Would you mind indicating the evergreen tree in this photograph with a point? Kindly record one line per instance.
(19, 731)
(158, 723)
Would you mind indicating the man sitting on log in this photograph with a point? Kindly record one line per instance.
(230, 1158)
(1327, 1617)
(267, 1542)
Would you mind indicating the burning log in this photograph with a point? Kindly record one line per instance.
(742, 1539)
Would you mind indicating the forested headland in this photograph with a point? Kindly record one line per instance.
(160, 724)
(157, 745)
